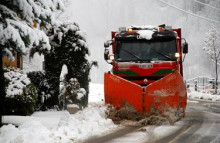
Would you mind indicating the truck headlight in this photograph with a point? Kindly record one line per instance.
(111, 57)
(177, 55)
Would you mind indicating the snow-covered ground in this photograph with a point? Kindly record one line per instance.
(203, 96)
(62, 127)
(59, 126)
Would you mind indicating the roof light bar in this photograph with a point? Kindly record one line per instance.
(168, 27)
(130, 29)
(122, 29)
(160, 28)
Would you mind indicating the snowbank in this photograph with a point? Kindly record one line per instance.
(49, 119)
(30, 132)
(60, 126)
(89, 122)
(205, 96)
(70, 128)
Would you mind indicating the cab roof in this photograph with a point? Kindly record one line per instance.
(145, 33)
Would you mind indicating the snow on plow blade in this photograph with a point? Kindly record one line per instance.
(166, 94)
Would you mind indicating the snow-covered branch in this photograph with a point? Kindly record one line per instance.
(212, 42)
(22, 23)
(212, 48)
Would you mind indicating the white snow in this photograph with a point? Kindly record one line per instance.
(204, 96)
(79, 95)
(148, 134)
(17, 81)
(191, 101)
(59, 126)
(164, 130)
(96, 94)
(73, 106)
(7, 53)
(212, 43)
(62, 127)
(145, 34)
(149, 27)
(17, 26)
(49, 119)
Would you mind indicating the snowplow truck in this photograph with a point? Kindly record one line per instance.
(147, 69)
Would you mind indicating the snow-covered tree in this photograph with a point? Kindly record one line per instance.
(22, 21)
(21, 94)
(212, 48)
(21, 26)
(71, 93)
(39, 80)
(68, 47)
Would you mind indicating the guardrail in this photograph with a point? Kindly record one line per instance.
(201, 83)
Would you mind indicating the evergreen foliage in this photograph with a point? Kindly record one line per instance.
(17, 27)
(23, 104)
(21, 93)
(39, 80)
(71, 93)
(21, 24)
(69, 47)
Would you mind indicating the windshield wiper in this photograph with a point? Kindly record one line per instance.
(166, 56)
(139, 58)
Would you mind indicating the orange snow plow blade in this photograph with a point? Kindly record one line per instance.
(166, 94)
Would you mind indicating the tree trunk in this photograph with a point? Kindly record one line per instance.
(2, 87)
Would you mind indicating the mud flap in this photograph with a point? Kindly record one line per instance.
(166, 94)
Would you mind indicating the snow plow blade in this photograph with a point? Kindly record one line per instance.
(165, 95)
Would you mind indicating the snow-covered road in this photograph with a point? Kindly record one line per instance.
(201, 124)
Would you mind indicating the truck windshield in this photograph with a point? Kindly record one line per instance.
(142, 50)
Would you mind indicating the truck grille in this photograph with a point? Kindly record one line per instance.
(140, 78)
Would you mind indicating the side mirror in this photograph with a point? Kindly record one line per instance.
(106, 53)
(108, 43)
(185, 48)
